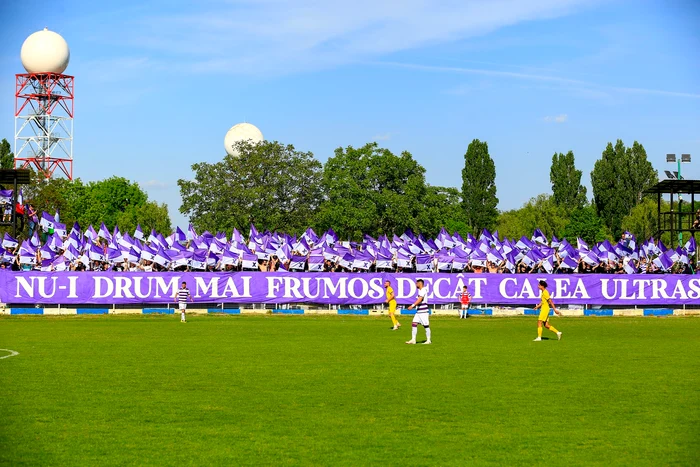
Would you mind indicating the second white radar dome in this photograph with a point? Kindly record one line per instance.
(241, 132)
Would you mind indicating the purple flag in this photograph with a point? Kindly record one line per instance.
(9, 242)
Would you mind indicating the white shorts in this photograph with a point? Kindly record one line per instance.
(422, 318)
(465, 307)
(182, 306)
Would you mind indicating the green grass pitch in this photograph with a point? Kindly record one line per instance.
(333, 390)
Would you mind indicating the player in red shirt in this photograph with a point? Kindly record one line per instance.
(464, 299)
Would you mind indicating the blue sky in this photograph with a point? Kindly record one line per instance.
(158, 84)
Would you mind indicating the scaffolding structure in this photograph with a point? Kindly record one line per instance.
(44, 123)
(674, 220)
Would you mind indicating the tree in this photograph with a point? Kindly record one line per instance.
(269, 184)
(114, 201)
(619, 179)
(7, 158)
(479, 187)
(643, 218)
(585, 223)
(108, 200)
(540, 212)
(370, 190)
(442, 207)
(566, 182)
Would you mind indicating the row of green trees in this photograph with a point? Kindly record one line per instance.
(367, 190)
(371, 190)
(114, 201)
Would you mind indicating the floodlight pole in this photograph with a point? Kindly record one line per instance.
(680, 204)
(682, 158)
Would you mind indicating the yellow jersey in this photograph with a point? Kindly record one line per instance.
(544, 306)
(390, 294)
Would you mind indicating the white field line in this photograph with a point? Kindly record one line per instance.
(12, 353)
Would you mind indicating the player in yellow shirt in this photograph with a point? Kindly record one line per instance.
(391, 301)
(544, 304)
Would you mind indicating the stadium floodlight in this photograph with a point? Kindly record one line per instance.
(685, 158)
(670, 158)
(669, 174)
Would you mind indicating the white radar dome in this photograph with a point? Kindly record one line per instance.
(241, 132)
(45, 52)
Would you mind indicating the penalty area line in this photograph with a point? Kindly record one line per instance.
(12, 353)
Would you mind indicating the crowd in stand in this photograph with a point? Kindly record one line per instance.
(52, 247)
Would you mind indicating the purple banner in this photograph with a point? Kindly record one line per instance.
(68, 288)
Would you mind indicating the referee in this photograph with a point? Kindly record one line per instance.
(181, 297)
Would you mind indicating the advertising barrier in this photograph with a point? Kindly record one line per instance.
(73, 288)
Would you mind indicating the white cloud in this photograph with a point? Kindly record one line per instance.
(382, 137)
(275, 36)
(155, 184)
(561, 118)
(574, 85)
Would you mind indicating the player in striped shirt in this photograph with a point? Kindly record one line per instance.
(464, 299)
(422, 315)
(181, 297)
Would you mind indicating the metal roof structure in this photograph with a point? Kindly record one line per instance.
(676, 221)
(7, 176)
(675, 186)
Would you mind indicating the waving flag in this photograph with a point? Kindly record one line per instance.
(71, 253)
(147, 253)
(445, 262)
(6, 196)
(331, 237)
(486, 235)
(630, 267)
(548, 264)
(403, 261)
(495, 257)
(199, 259)
(75, 230)
(47, 221)
(568, 263)
(161, 257)
(34, 241)
(591, 258)
(316, 263)
(60, 229)
(25, 257)
(191, 233)
(539, 237)
(95, 253)
(104, 232)
(661, 247)
(555, 242)
(9, 242)
(362, 261)
(153, 237)
(663, 262)
(424, 263)
(138, 233)
(581, 245)
(249, 261)
(690, 246)
(510, 262)
(59, 264)
(19, 207)
(91, 234)
(384, 261)
(180, 236)
(524, 244)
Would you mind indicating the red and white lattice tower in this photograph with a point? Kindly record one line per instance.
(44, 106)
